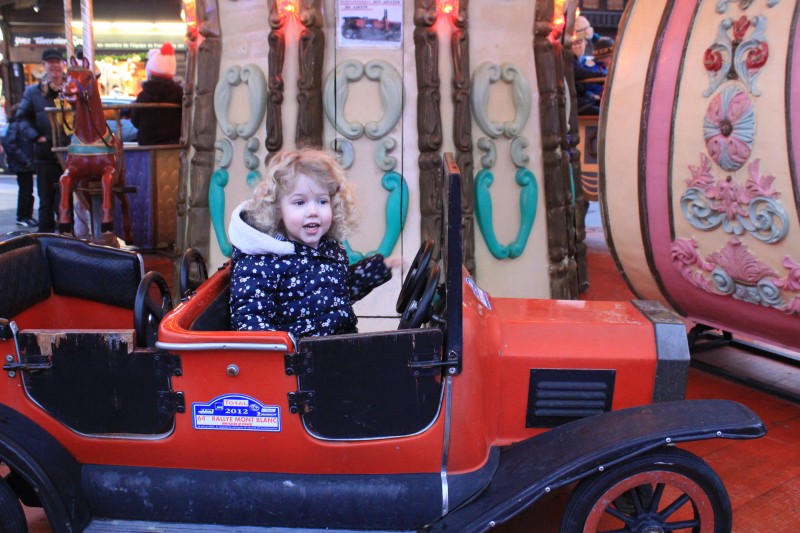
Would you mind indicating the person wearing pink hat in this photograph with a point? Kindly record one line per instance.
(159, 126)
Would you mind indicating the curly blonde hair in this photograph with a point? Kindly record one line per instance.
(264, 209)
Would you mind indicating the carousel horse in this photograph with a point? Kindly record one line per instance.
(94, 153)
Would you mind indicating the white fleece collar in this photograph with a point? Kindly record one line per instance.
(252, 241)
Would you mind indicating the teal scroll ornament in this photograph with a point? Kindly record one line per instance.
(257, 90)
(528, 198)
(335, 96)
(485, 75)
(396, 213)
(216, 207)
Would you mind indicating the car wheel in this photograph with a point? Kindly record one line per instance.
(12, 518)
(665, 490)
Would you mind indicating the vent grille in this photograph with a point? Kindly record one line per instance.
(558, 396)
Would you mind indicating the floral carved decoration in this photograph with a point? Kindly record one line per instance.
(729, 128)
(747, 207)
(722, 5)
(735, 271)
(709, 203)
(735, 55)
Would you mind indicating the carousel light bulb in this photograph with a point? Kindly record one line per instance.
(448, 7)
(288, 8)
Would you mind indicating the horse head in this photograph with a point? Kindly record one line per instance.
(81, 83)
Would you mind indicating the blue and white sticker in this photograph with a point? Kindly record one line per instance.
(236, 412)
(480, 294)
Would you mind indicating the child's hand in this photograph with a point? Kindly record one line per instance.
(393, 262)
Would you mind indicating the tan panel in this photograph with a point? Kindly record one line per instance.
(502, 32)
(620, 158)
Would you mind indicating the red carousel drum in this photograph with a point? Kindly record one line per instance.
(700, 138)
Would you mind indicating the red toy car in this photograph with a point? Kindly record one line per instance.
(471, 412)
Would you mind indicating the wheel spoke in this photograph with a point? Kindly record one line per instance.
(656, 499)
(674, 506)
(619, 515)
(636, 500)
(683, 524)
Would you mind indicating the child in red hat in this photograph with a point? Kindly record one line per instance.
(159, 125)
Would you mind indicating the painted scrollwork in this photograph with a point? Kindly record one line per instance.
(722, 5)
(335, 96)
(528, 198)
(384, 161)
(710, 203)
(735, 271)
(729, 128)
(396, 214)
(216, 207)
(345, 153)
(223, 156)
(485, 75)
(391, 91)
(734, 55)
(253, 76)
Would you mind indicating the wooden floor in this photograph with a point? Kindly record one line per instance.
(762, 476)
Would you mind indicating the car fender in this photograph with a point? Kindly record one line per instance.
(537, 466)
(50, 470)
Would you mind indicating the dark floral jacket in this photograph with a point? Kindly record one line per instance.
(282, 285)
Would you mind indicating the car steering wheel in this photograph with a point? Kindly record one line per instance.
(193, 271)
(416, 275)
(420, 308)
(147, 312)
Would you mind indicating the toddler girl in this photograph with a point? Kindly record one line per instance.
(289, 271)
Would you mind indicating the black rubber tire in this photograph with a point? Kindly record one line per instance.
(12, 517)
(669, 472)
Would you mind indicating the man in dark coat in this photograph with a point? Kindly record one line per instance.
(159, 126)
(19, 158)
(35, 127)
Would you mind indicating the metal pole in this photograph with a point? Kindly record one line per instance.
(68, 28)
(88, 32)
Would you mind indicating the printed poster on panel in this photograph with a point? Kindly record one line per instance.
(370, 23)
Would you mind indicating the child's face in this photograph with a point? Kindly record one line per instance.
(306, 211)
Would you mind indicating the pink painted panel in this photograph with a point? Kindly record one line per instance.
(713, 287)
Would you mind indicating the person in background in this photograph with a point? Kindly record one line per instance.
(19, 156)
(587, 71)
(159, 126)
(35, 127)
